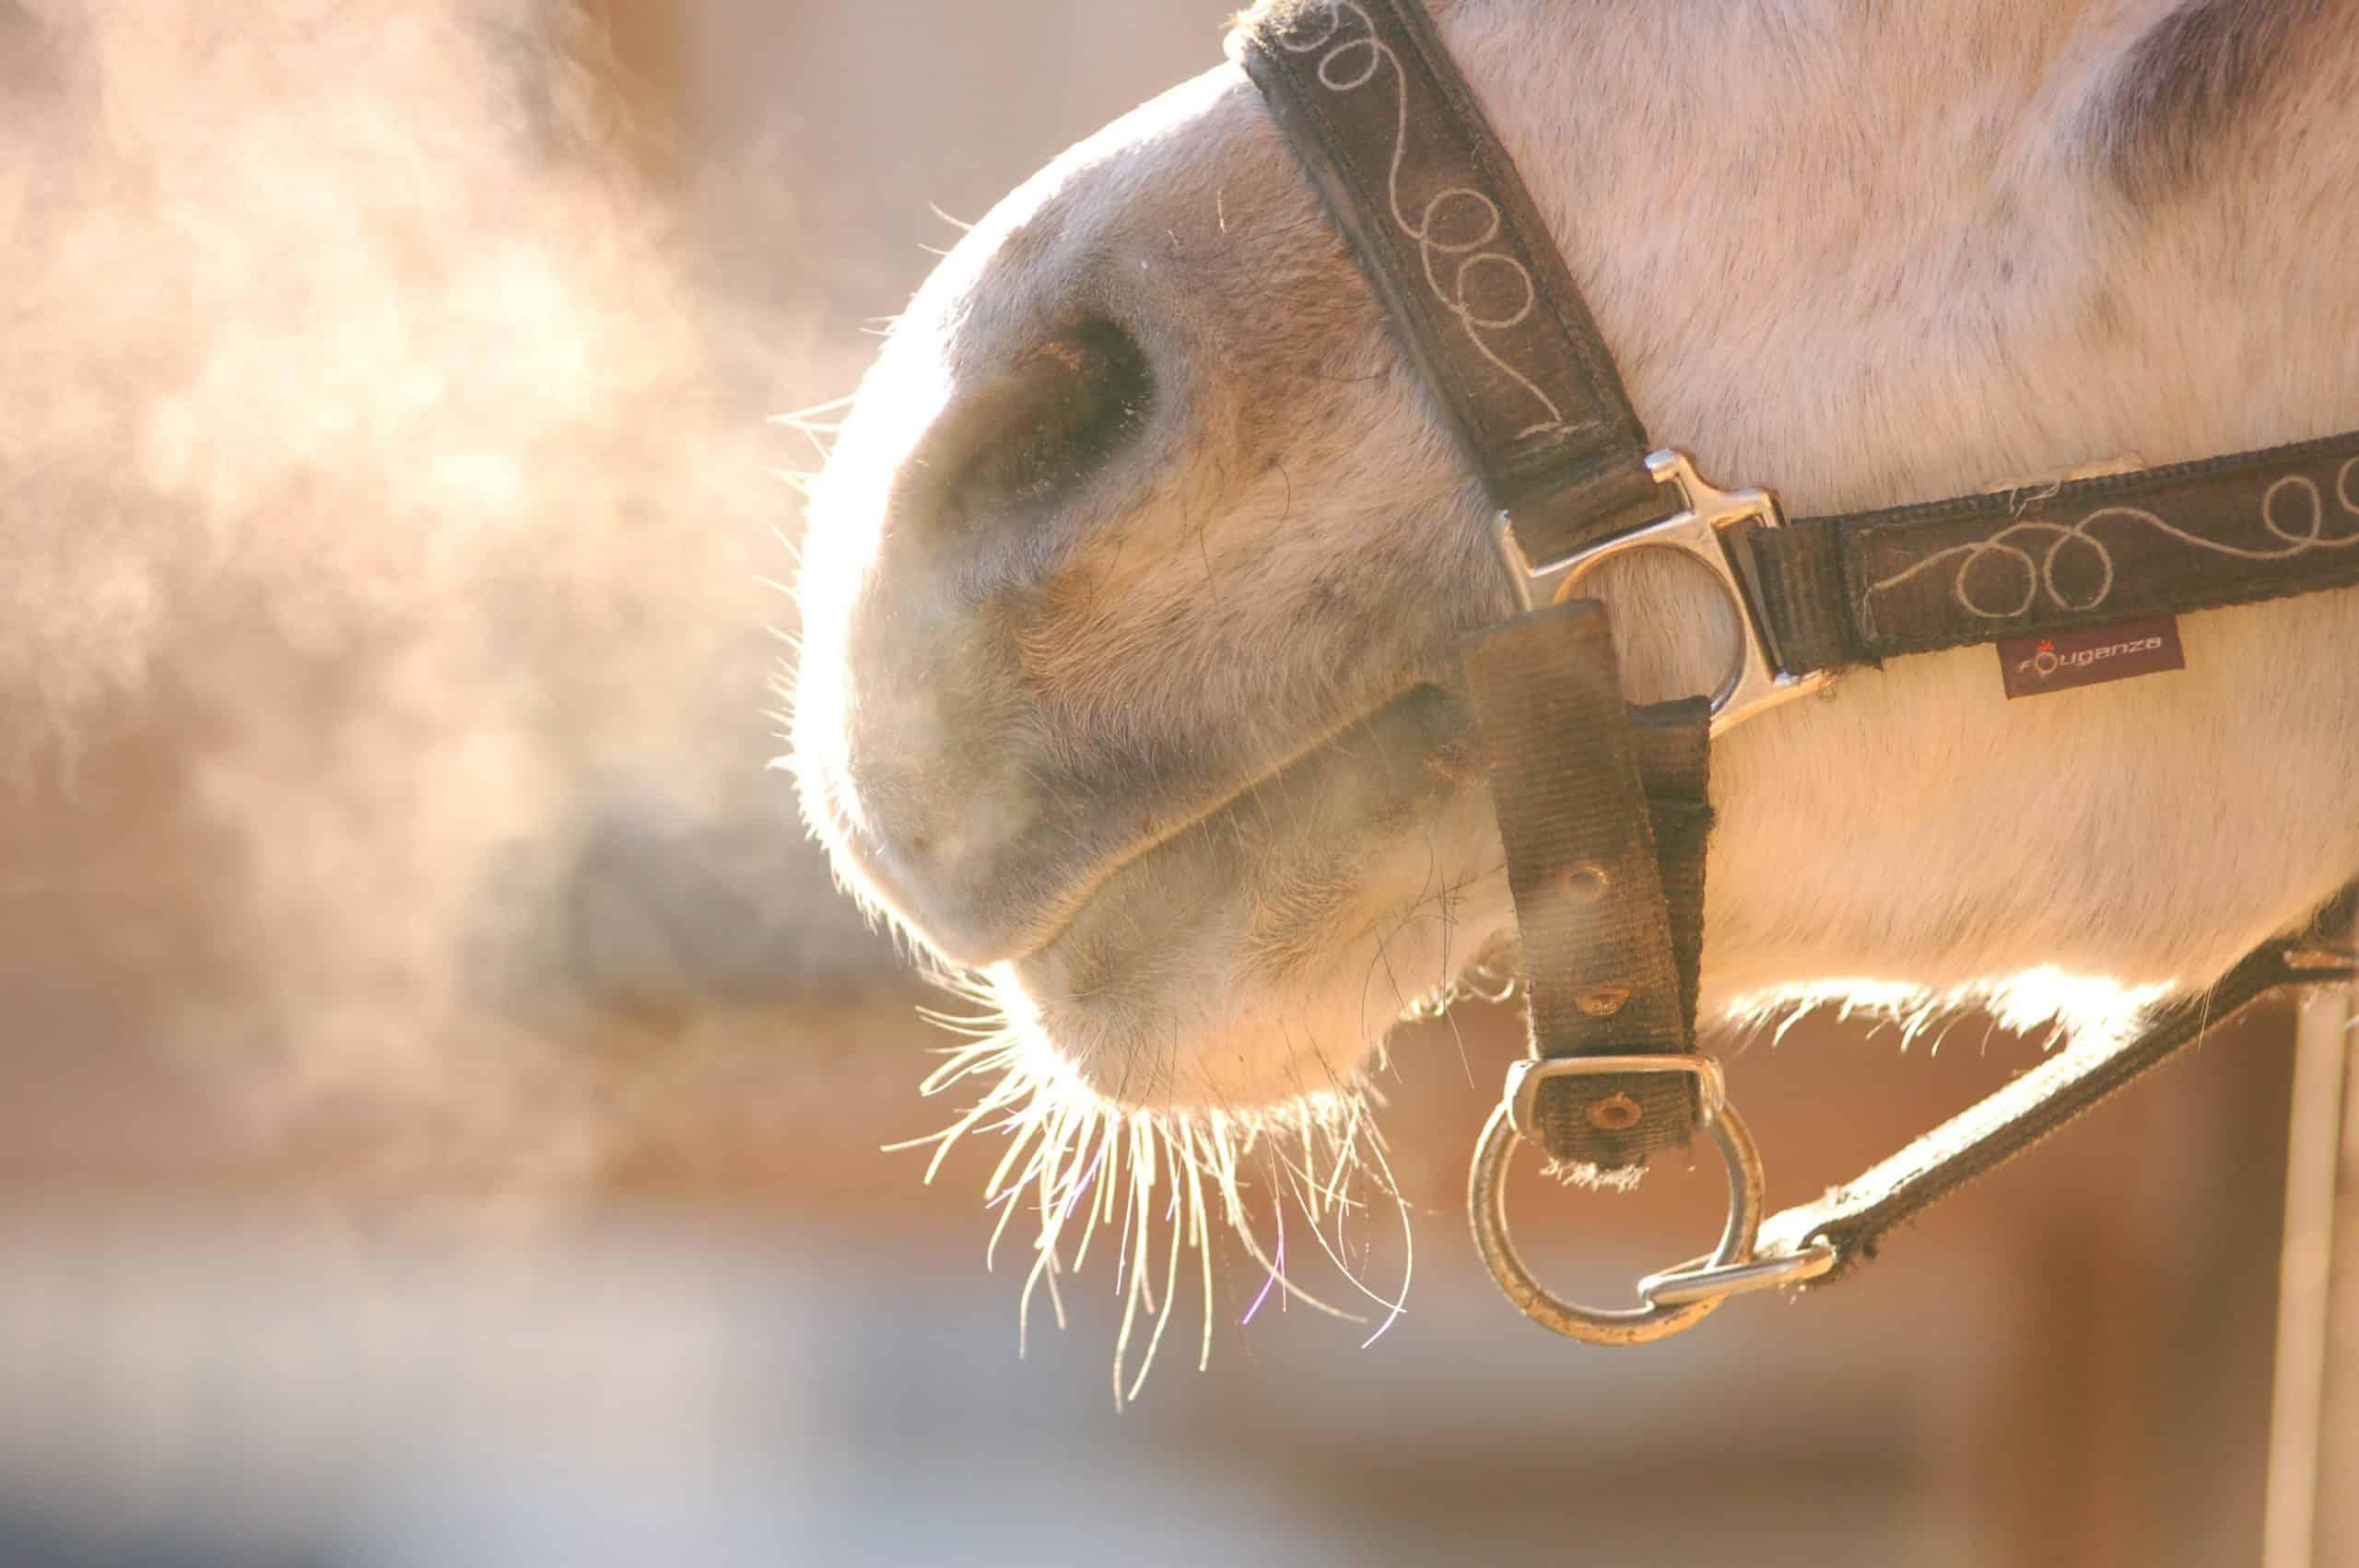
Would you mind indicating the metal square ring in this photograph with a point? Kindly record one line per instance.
(1525, 1076)
(1711, 527)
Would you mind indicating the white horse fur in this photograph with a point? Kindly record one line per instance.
(1862, 253)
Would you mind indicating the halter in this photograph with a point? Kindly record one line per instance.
(1604, 807)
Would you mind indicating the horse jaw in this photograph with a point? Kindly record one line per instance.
(1158, 706)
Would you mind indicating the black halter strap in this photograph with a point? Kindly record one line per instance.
(1449, 238)
(1602, 808)
(2238, 530)
(1604, 840)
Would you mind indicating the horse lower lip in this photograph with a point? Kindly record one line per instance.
(949, 932)
(1358, 785)
(885, 883)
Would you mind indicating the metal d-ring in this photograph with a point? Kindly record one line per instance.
(1486, 1201)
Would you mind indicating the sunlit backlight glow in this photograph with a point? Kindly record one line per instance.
(380, 521)
(2076, 1010)
(1080, 1164)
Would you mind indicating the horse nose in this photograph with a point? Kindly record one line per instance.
(944, 813)
(1006, 451)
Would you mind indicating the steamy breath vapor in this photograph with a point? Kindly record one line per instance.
(383, 497)
(375, 510)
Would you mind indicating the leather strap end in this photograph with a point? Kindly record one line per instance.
(1604, 975)
(1803, 596)
(1576, 501)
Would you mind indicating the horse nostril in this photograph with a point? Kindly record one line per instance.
(1032, 434)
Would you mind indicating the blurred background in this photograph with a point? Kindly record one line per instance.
(442, 1097)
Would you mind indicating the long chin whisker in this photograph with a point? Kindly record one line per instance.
(1079, 1165)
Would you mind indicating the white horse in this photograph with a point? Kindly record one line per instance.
(1142, 512)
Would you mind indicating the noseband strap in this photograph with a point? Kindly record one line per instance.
(1452, 244)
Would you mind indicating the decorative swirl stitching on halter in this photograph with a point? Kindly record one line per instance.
(2038, 575)
(1350, 64)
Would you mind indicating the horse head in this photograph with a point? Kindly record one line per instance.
(1131, 593)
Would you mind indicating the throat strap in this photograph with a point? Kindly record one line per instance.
(2235, 529)
(1450, 241)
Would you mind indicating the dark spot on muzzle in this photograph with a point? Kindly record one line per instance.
(1011, 449)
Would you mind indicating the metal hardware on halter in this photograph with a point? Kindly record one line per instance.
(1700, 1280)
(1525, 1076)
(1657, 1318)
(1674, 1299)
(1713, 526)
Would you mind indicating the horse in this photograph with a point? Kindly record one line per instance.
(1132, 592)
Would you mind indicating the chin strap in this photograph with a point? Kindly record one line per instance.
(1604, 812)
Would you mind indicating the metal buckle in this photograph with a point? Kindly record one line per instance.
(1713, 527)
(1672, 1299)
(1525, 1076)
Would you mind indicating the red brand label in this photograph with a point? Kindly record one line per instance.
(2060, 661)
